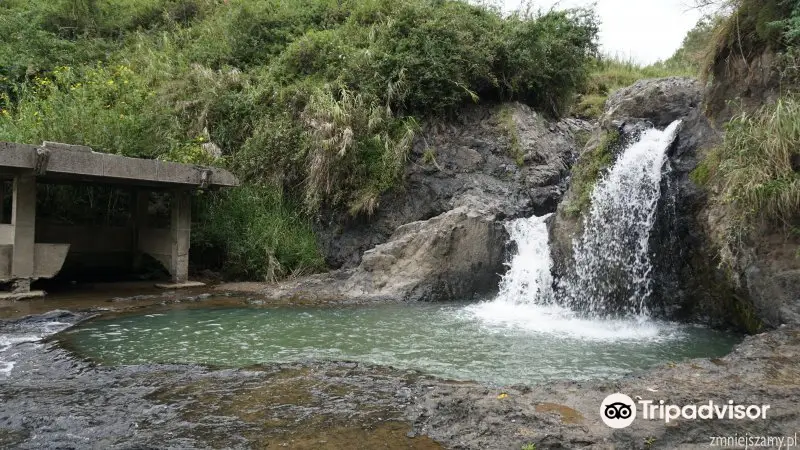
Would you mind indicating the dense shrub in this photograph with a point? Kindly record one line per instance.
(107, 108)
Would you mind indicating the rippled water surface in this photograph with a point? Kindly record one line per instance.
(488, 342)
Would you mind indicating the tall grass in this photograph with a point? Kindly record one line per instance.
(252, 232)
(757, 171)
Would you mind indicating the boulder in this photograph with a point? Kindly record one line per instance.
(457, 255)
(454, 256)
(659, 101)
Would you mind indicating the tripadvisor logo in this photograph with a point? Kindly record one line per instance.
(619, 411)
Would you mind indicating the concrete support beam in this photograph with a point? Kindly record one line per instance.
(180, 232)
(23, 219)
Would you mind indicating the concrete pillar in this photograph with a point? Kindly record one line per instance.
(139, 214)
(23, 218)
(180, 232)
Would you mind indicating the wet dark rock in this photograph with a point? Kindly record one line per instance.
(687, 285)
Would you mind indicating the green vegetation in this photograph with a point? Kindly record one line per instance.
(273, 240)
(587, 171)
(314, 103)
(529, 447)
(756, 173)
(754, 26)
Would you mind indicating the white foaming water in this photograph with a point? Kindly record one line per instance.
(8, 342)
(528, 279)
(612, 251)
(612, 261)
(525, 300)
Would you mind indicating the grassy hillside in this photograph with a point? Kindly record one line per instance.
(314, 103)
(754, 173)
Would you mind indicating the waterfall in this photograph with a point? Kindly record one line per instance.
(529, 278)
(612, 267)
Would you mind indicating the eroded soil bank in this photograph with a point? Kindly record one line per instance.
(51, 399)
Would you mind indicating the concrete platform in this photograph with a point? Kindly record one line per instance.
(185, 285)
(21, 295)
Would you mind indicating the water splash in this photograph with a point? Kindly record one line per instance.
(526, 299)
(529, 279)
(612, 258)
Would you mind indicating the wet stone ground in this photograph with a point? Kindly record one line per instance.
(51, 399)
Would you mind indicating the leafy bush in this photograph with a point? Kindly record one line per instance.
(548, 59)
(107, 108)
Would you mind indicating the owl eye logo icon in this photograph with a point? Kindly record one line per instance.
(618, 411)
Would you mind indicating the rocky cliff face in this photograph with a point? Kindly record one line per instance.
(442, 236)
(686, 281)
(507, 158)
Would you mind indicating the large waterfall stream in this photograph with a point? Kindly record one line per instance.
(612, 260)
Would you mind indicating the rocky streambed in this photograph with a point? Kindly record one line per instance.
(51, 398)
